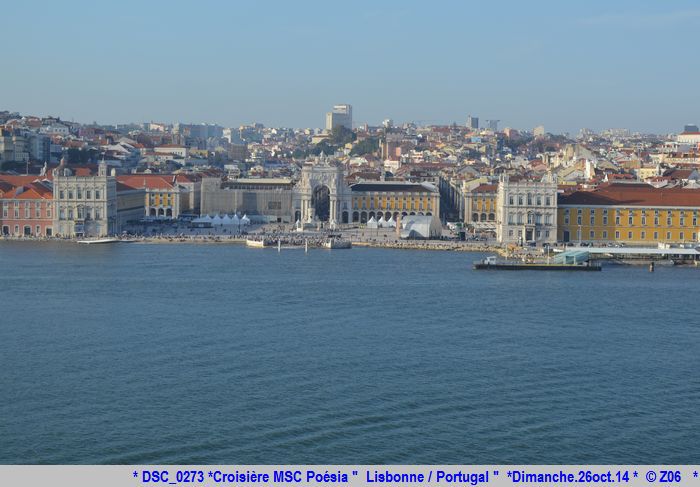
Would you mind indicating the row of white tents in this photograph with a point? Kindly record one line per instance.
(226, 220)
(381, 223)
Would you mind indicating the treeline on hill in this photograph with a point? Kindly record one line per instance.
(338, 138)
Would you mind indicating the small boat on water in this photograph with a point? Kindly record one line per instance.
(99, 241)
(259, 243)
(491, 263)
(335, 243)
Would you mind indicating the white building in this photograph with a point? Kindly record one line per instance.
(173, 149)
(85, 205)
(340, 116)
(526, 211)
(690, 138)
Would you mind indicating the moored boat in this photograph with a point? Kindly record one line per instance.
(99, 241)
(491, 263)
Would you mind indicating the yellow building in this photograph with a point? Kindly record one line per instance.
(636, 214)
(391, 199)
(480, 205)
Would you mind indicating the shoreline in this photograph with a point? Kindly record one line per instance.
(435, 245)
(425, 245)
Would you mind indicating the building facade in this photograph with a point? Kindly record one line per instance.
(264, 200)
(527, 211)
(86, 205)
(26, 208)
(341, 115)
(320, 196)
(166, 195)
(633, 214)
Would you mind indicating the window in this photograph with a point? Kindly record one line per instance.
(510, 199)
(37, 230)
(630, 220)
(682, 221)
(37, 209)
(539, 234)
(605, 234)
(668, 221)
(656, 221)
(61, 195)
(605, 219)
(48, 210)
(4, 210)
(70, 194)
(510, 233)
(16, 210)
(27, 210)
(62, 214)
(529, 199)
(546, 233)
(592, 218)
(80, 194)
(80, 213)
(539, 200)
(578, 219)
(530, 219)
(548, 201)
(656, 235)
(668, 235)
(617, 234)
(644, 235)
(97, 194)
(510, 218)
(681, 236)
(617, 219)
(520, 199)
(592, 234)
(70, 213)
(644, 220)
(98, 215)
(629, 235)
(88, 194)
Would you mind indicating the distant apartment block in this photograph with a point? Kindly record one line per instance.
(340, 116)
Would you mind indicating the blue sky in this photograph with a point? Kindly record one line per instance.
(567, 65)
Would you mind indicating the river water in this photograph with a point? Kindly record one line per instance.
(182, 354)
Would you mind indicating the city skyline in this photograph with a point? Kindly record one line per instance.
(566, 67)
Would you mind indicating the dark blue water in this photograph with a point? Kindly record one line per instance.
(222, 354)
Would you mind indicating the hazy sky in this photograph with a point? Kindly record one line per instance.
(564, 64)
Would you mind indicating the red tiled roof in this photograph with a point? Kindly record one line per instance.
(150, 181)
(486, 188)
(634, 195)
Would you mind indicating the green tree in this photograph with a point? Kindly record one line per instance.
(367, 146)
(341, 135)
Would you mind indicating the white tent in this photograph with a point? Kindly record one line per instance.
(206, 219)
(245, 220)
(372, 223)
(216, 221)
(391, 222)
(235, 220)
(226, 220)
(381, 223)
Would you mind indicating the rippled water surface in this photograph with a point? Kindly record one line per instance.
(222, 354)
